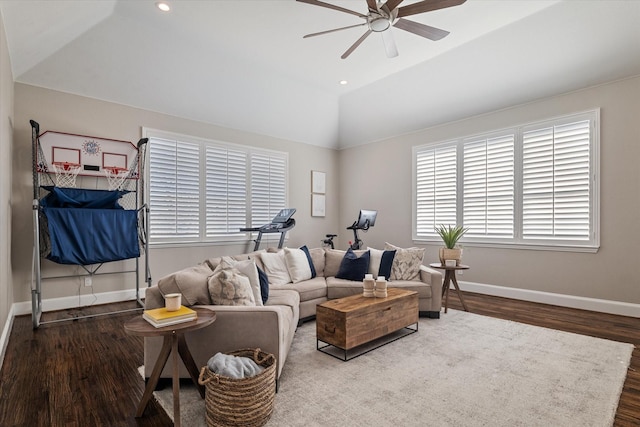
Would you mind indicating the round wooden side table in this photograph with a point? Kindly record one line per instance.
(175, 343)
(449, 277)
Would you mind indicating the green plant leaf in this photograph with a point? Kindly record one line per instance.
(450, 234)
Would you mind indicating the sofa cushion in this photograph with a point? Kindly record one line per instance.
(352, 266)
(317, 257)
(406, 263)
(276, 267)
(228, 286)
(298, 264)
(333, 259)
(340, 288)
(190, 282)
(380, 262)
(308, 290)
(255, 256)
(249, 268)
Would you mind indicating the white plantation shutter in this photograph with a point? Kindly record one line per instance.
(436, 176)
(174, 192)
(226, 191)
(556, 182)
(488, 186)
(268, 190)
(206, 191)
(533, 186)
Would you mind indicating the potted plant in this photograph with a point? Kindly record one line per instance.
(450, 236)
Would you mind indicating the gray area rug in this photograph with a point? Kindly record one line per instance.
(461, 370)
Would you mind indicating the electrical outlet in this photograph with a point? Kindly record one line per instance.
(87, 281)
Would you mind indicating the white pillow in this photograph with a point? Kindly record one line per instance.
(375, 258)
(248, 268)
(297, 264)
(276, 268)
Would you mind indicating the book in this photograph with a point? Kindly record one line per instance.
(162, 314)
(168, 322)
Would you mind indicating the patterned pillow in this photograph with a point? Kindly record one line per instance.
(228, 286)
(248, 268)
(406, 263)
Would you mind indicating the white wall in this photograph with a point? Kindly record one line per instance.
(379, 177)
(6, 138)
(64, 112)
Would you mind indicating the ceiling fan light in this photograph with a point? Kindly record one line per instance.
(379, 24)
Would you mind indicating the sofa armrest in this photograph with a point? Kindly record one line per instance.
(433, 277)
(153, 298)
(270, 328)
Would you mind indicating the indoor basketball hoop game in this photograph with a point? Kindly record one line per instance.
(72, 156)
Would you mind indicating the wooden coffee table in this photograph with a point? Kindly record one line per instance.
(350, 322)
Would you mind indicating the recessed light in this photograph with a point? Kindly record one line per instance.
(343, 82)
(163, 6)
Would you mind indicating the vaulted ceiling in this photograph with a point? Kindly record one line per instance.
(244, 64)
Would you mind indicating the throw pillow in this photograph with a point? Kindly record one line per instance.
(249, 268)
(381, 262)
(191, 282)
(276, 267)
(406, 262)
(333, 259)
(310, 260)
(353, 267)
(228, 286)
(264, 285)
(297, 264)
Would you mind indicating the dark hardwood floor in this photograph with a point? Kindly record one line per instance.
(84, 372)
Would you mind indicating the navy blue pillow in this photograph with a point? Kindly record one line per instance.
(352, 267)
(306, 252)
(385, 264)
(264, 284)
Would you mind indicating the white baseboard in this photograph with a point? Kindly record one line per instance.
(65, 303)
(571, 301)
(6, 331)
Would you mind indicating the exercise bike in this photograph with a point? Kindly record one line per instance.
(366, 219)
(328, 242)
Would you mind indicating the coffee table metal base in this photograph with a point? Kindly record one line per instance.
(343, 353)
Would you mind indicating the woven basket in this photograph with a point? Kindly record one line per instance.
(245, 402)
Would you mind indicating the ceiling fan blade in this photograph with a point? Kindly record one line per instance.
(334, 30)
(355, 45)
(334, 7)
(389, 44)
(427, 6)
(431, 33)
(373, 5)
(390, 5)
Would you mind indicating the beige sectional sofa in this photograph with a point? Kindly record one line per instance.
(270, 326)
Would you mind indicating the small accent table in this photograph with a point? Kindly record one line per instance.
(175, 343)
(449, 277)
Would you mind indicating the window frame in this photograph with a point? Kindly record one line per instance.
(517, 241)
(214, 239)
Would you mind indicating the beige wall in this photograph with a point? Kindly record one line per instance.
(75, 114)
(379, 177)
(6, 131)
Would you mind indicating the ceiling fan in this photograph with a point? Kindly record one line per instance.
(382, 16)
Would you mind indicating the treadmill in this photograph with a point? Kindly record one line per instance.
(281, 223)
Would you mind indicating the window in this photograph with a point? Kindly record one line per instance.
(534, 185)
(205, 191)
